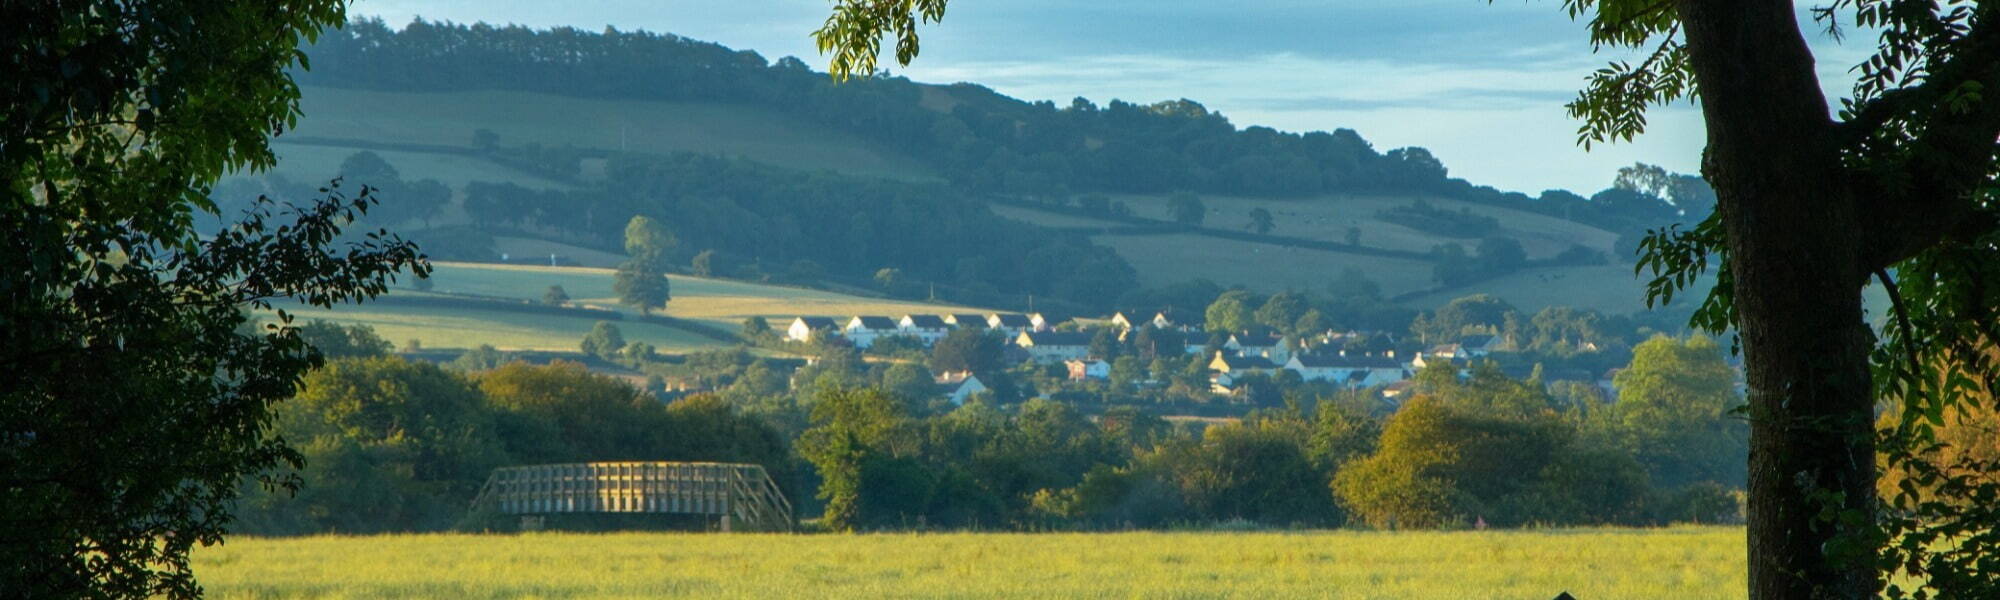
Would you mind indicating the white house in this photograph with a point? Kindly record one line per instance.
(1054, 346)
(1011, 324)
(1080, 369)
(967, 320)
(1475, 346)
(1165, 319)
(863, 331)
(1265, 346)
(803, 329)
(929, 328)
(966, 389)
(1227, 364)
(1039, 323)
(1355, 371)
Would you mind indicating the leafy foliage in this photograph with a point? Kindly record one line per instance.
(132, 405)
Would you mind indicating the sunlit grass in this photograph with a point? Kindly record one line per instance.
(1682, 562)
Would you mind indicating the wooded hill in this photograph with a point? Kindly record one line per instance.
(920, 163)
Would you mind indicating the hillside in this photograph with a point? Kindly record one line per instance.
(457, 114)
(417, 122)
(659, 127)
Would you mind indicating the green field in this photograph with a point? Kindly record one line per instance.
(1690, 563)
(449, 119)
(1174, 258)
(718, 302)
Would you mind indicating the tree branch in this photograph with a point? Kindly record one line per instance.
(1954, 118)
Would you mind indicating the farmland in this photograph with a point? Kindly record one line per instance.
(1681, 562)
(717, 302)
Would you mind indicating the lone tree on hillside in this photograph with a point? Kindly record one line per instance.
(116, 119)
(1260, 221)
(556, 296)
(641, 281)
(1899, 188)
(1187, 209)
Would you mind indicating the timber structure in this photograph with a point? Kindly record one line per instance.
(741, 495)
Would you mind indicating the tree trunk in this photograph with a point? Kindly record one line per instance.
(1792, 223)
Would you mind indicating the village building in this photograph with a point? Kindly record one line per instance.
(1270, 347)
(863, 331)
(1082, 369)
(966, 388)
(1349, 370)
(1011, 324)
(1039, 323)
(966, 320)
(929, 328)
(1476, 346)
(808, 329)
(1054, 346)
(1161, 319)
(1226, 363)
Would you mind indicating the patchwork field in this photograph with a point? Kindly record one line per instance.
(450, 118)
(1681, 563)
(717, 302)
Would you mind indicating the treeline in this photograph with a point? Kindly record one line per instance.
(978, 138)
(395, 445)
(1459, 449)
(737, 218)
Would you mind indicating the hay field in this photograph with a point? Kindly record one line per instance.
(1689, 563)
(719, 302)
(450, 118)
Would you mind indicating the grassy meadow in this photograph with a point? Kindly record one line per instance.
(718, 302)
(449, 119)
(1691, 563)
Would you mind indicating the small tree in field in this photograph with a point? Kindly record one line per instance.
(556, 296)
(603, 341)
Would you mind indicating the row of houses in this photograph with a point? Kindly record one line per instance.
(1318, 359)
(863, 331)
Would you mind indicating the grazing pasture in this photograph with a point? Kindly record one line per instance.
(1686, 563)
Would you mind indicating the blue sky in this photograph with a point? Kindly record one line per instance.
(1481, 85)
